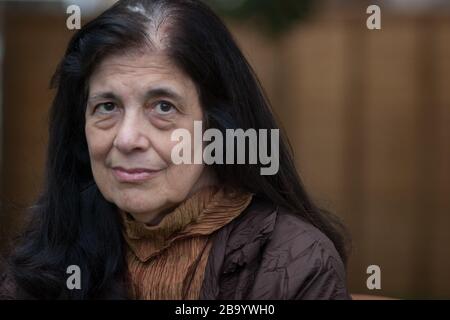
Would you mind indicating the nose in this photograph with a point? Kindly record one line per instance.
(130, 136)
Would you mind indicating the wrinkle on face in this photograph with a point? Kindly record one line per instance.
(135, 135)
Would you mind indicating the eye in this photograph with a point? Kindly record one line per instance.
(105, 108)
(164, 108)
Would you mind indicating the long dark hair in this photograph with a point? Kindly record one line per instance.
(63, 231)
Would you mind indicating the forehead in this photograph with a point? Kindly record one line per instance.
(138, 71)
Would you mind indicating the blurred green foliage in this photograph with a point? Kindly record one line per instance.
(275, 16)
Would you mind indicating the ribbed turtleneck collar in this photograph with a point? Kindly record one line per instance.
(201, 214)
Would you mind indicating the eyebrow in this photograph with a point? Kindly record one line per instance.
(150, 94)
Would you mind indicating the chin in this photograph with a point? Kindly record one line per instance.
(135, 202)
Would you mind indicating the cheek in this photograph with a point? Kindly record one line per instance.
(178, 178)
(102, 177)
(99, 145)
(99, 142)
(181, 180)
(163, 145)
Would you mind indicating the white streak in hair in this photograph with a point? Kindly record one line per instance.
(137, 9)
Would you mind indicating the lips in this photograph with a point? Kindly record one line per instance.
(134, 174)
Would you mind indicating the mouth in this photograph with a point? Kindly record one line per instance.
(134, 174)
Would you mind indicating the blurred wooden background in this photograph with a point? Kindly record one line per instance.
(367, 112)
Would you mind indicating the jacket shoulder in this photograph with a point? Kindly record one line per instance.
(272, 253)
(232, 248)
(299, 262)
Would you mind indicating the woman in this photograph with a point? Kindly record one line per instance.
(139, 226)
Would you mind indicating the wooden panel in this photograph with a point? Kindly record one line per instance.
(312, 109)
(440, 263)
(368, 113)
(391, 155)
(34, 44)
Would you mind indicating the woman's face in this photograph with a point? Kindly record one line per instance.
(135, 102)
